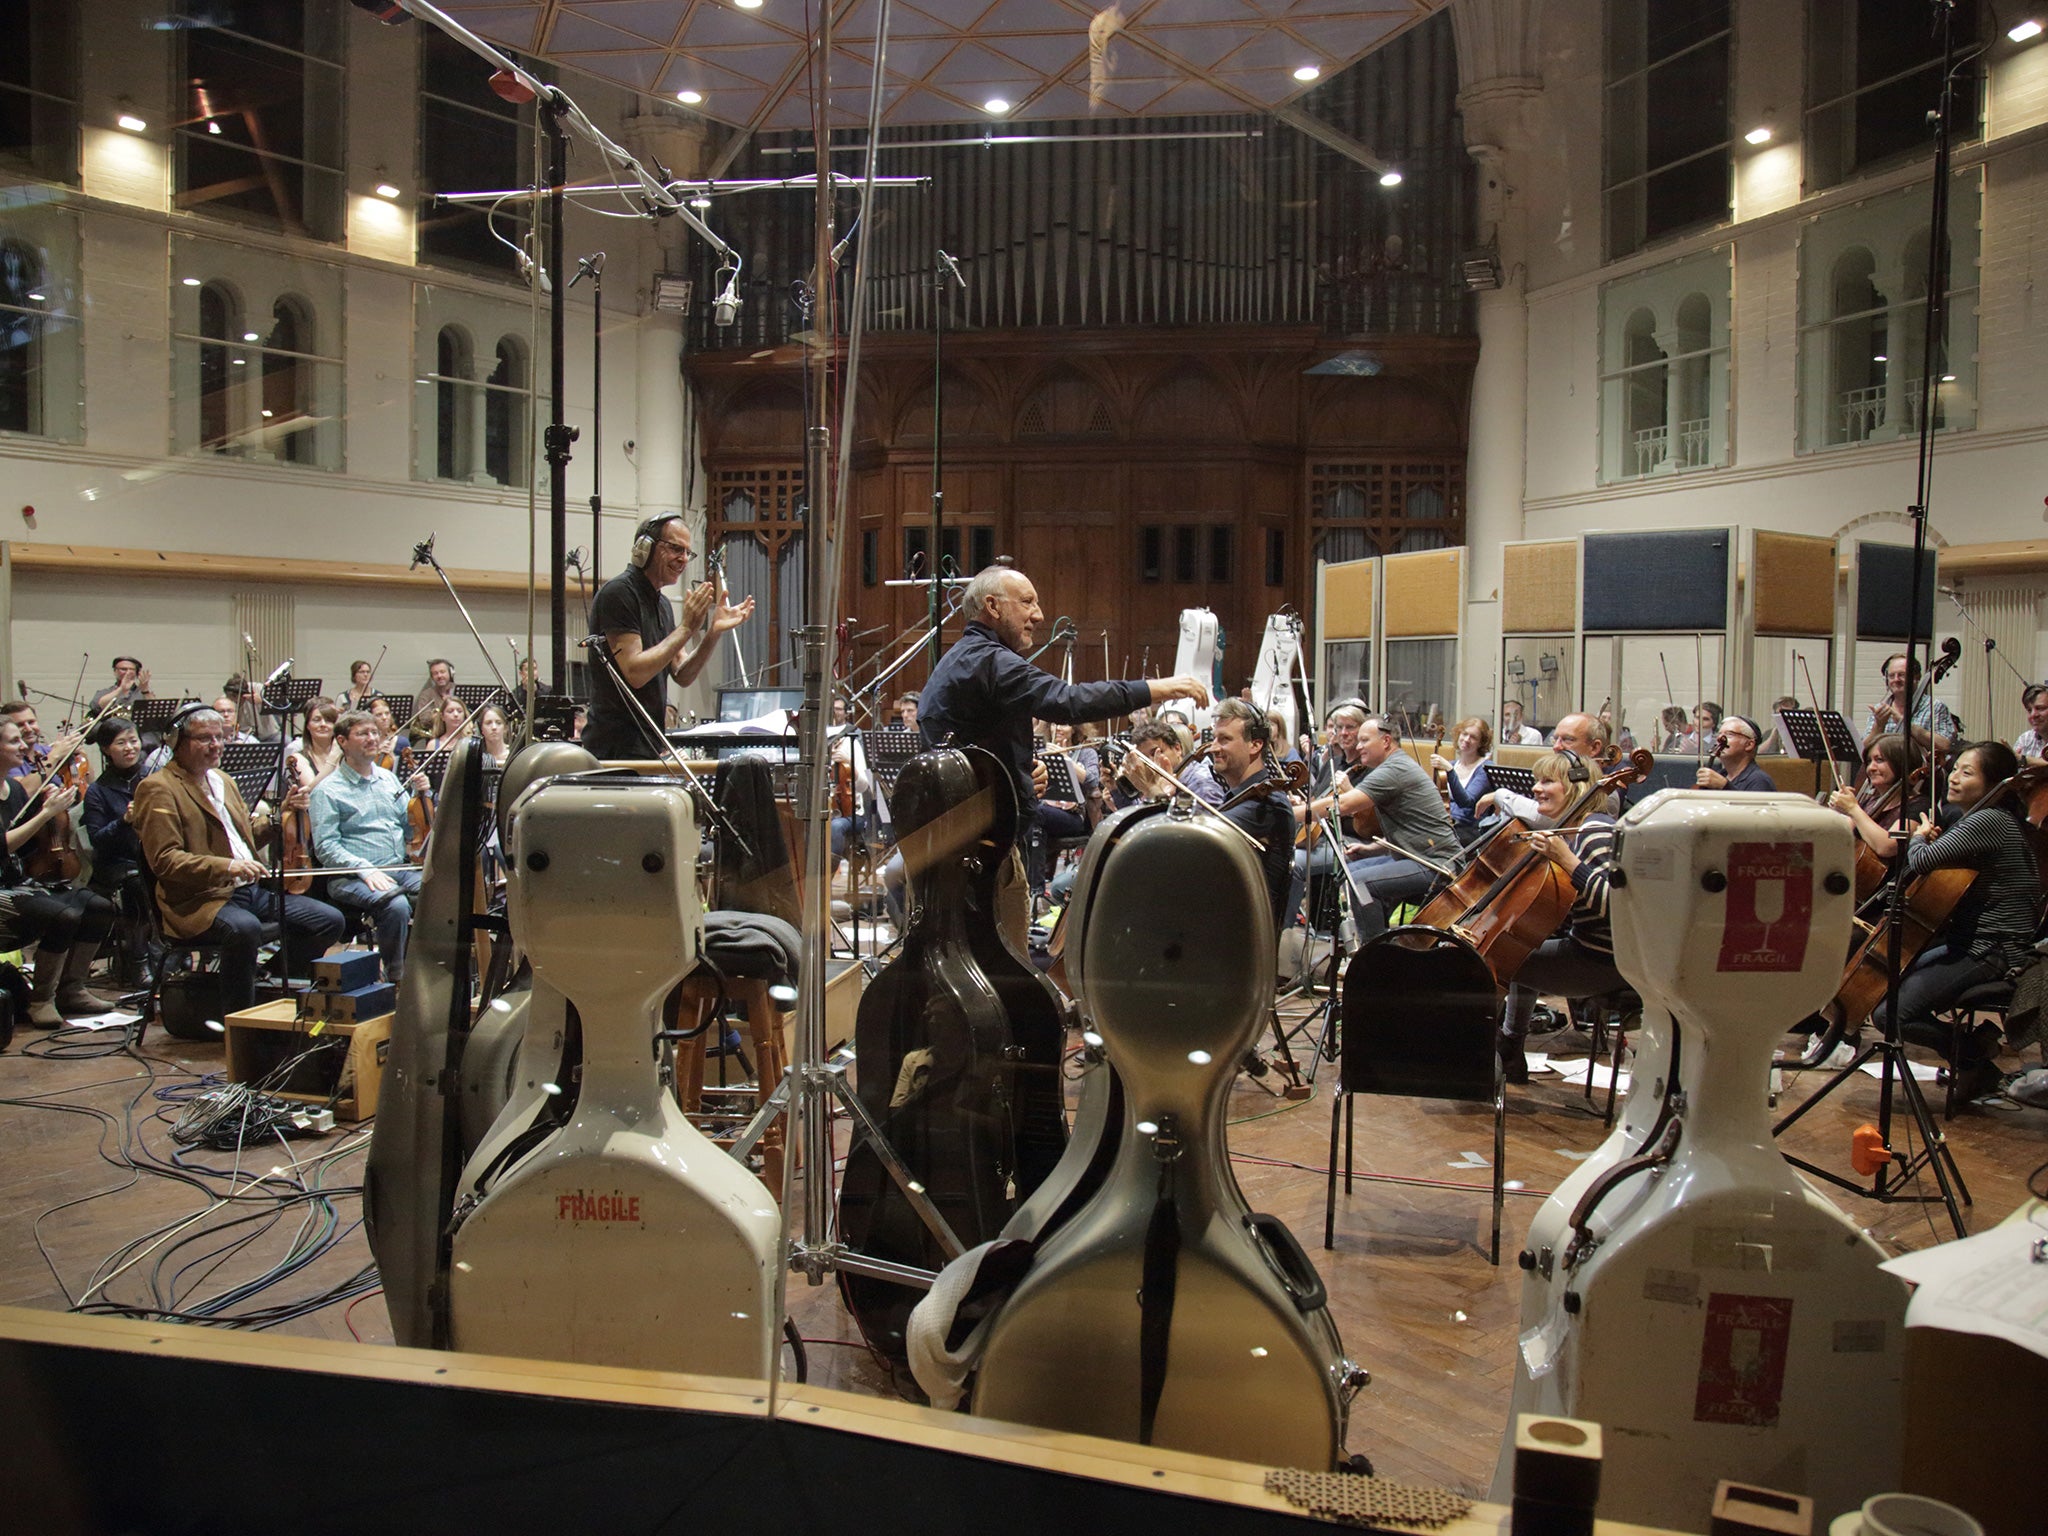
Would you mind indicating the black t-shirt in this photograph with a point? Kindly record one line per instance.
(13, 805)
(627, 602)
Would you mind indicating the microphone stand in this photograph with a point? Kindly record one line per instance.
(423, 554)
(592, 267)
(1990, 649)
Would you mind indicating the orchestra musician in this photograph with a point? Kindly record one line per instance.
(357, 694)
(983, 693)
(35, 752)
(1706, 725)
(390, 739)
(449, 723)
(1873, 807)
(199, 842)
(1578, 960)
(359, 824)
(1513, 733)
(116, 850)
(1150, 743)
(493, 725)
(647, 644)
(1934, 728)
(131, 682)
(316, 750)
(66, 927)
(1991, 929)
(2031, 745)
(1735, 749)
(1411, 816)
(1671, 731)
(1239, 752)
(1464, 776)
(439, 687)
(1583, 736)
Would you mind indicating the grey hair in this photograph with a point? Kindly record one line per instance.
(988, 582)
(207, 716)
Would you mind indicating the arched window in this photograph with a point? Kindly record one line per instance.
(1645, 425)
(23, 306)
(219, 325)
(454, 441)
(505, 408)
(288, 416)
(1858, 350)
(1694, 367)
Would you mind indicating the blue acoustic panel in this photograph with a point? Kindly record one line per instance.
(1884, 575)
(1671, 580)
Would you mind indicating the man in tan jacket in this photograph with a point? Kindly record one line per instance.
(201, 848)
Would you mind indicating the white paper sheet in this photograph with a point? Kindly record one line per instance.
(1989, 1284)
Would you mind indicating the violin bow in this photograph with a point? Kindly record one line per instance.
(1813, 698)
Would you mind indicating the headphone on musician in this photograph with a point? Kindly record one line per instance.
(645, 537)
(1575, 765)
(185, 714)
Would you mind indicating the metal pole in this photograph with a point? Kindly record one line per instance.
(559, 435)
(934, 609)
(597, 415)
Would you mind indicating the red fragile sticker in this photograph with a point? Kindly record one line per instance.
(1742, 1360)
(1770, 907)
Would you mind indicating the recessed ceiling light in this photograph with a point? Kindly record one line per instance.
(266, 415)
(191, 282)
(249, 336)
(36, 298)
(995, 105)
(1390, 178)
(748, 5)
(1761, 134)
(1948, 378)
(1308, 72)
(131, 122)
(213, 128)
(385, 189)
(2025, 30)
(689, 98)
(241, 362)
(1880, 358)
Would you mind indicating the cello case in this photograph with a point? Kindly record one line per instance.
(623, 1236)
(1164, 1311)
(1194, 655)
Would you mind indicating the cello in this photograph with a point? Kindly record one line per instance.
(1510, 898)
(965, 1095)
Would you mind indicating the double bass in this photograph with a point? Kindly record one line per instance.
(959, 1045)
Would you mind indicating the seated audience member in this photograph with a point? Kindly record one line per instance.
(359, 824)
(200, 844)
(66, 927)
(1736, 746)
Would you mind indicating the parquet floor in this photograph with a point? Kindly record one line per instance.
(1409, 1282)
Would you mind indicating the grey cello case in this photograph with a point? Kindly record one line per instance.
(1165, 1311)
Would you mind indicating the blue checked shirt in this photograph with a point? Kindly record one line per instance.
(358, 821)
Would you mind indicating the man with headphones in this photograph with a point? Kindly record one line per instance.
(200, 845)
(647, 644)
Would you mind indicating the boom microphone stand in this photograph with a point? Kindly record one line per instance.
(1889, 1179)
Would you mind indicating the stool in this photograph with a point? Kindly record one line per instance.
(1610, 1015)
(695, 1003)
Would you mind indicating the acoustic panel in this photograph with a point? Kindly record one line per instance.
(1539, 588)
(1792, 582)
(1425, 593)
(1348, 600)
(1884, 577)
(1675, 579)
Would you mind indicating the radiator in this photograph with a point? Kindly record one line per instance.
(266, 620)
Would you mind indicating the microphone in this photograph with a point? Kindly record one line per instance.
(953, 269)
(588, 266)
(725, 304)
(529, 268)
(423, 552)
(280, 672)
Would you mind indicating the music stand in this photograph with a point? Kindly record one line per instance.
(434, 765)
(1059, 780)
(475, 696)
(888, 752)
(1507, 776)
(1820, 735)
(253, 765)
(152, 717)
(289, 696)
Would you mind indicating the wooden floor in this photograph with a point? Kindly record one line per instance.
(1409, 1282)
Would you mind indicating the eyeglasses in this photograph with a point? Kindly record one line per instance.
(672, 544)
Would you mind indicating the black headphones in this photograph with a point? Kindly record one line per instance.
(185, 712)
(1575, 766)
(645, 535)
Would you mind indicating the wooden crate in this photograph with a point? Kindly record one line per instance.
(262, 1038)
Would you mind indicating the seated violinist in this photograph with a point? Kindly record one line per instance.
(35, 752)
(1885, 801)
(200, 843)
(360, 824)
(1992, 928)
(1464, 776)
(65, 926)
(116, 850)
(447, 722)
(315, 753)
(1411, 817)
(1581, 735)
(1736, 749)
(1578, 960)
(390, 739)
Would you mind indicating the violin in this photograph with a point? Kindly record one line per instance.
(419, 811)
(297, 832)
(842, 789)
(1510, 898)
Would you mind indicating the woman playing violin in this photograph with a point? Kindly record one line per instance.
(1992, 927)
(1885, 801)
(450, 722)
(1464, 777)
(357, 694)
(391, 741)
(1578, 960)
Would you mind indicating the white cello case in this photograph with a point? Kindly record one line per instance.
(624, 1237)
(1719, 1317)
(1195, 656)
(1272, 677)
(1253, 1368)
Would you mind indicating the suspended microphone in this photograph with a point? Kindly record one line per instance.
(953, 269)
(588, 266)
(423, 552)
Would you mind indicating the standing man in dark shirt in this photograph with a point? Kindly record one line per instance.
(983, 693)
(1239, 753)
(647, 644)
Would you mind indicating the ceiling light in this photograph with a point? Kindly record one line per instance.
(132, 123)
(1390, 178)
(1761, 134)
(241, 362)
(385, 189)
(1308, 72)
(748, 5)
(995, 105)
(701, 201)
(213, 127)
(2025, 30)
(689, 98)
(1948, 378)
(266, 415)
(1880, 358)
(249, 336)
(36, 298)
(191, 282)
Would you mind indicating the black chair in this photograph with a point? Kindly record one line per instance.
(1609, 1018)
(1963, 1016)
(1421, 1020)
(182, 1023)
